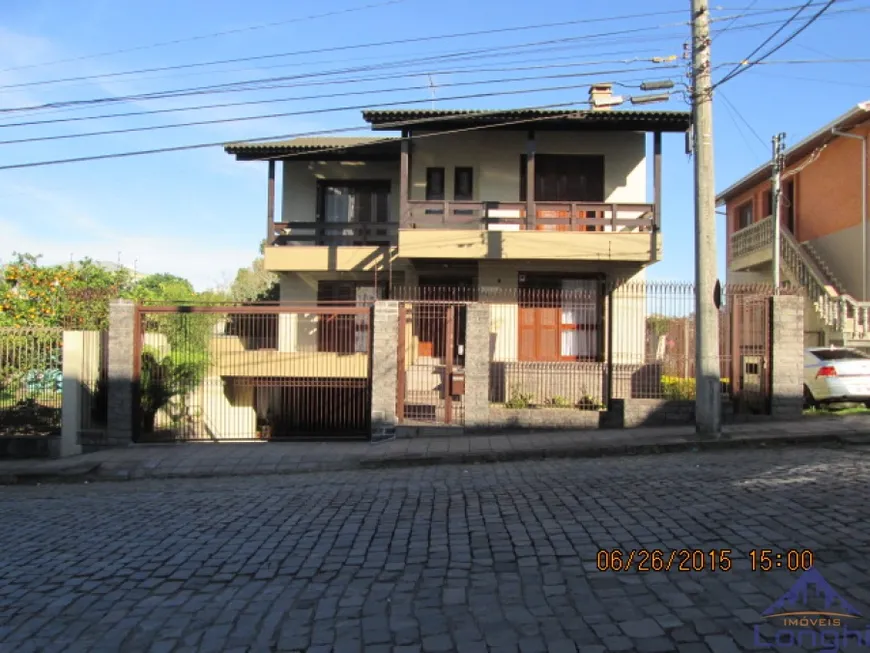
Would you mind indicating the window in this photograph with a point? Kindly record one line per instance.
(745, 215)
(559, 319)
(788, 204)
(767, 203)
(354, 204)
(256, 331)
(342, 333)
(838, 354)
(565, 178)
(434, 184)
(463, 184)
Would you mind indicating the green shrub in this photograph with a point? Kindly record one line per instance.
(678, 388)
(519, 399)
(558, 402)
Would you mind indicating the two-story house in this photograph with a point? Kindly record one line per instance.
(824, 239)
(448, 204)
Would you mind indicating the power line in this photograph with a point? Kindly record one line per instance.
(222, 105)
(323, 132)
(207, 36)
(736, 111)
(308, 112)
(772, 36)
(782, 44)
(341, 48)
(734, 20)
(397, 42)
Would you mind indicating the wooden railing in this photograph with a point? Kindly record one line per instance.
(335, 234)
(547, 216)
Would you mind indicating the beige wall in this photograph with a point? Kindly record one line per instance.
(228, 411)
(841, 252)
(299, 202)
(495, 158)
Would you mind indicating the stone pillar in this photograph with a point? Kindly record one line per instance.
(122, 333)
(73, 392)
(385, 365)
(477, 359)
(787, 356)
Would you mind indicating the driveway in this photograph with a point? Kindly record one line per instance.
(500, 557)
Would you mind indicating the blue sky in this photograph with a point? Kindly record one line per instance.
(200, 214)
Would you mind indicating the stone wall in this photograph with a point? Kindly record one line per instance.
(787, 356)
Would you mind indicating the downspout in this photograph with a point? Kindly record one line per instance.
(863, 140)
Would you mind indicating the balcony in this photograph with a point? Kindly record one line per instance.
(529, 230)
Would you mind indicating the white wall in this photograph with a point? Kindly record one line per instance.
(495, 158)
(299, 201)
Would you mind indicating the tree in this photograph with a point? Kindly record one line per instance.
(255, 283)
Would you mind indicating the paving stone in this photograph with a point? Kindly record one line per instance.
(388, 560)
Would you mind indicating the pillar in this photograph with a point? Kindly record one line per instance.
(73, 392)
(384, 365)
(477, 364)
(121, 373)
(787, 356)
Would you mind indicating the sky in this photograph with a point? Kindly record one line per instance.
(200, 214)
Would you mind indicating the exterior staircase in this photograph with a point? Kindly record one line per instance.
(846, 320)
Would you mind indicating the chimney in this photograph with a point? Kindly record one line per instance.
(601, 96)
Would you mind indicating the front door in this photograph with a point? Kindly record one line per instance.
(568, 178)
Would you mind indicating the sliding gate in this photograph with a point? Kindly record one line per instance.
(250, 372)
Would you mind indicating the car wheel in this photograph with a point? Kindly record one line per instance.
(809, 400)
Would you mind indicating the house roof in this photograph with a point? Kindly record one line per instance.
(540, 119)
(852, 118)
(322, 148)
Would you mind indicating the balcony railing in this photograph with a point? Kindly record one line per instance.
(379, 234)
(838, 311)
(548, 216)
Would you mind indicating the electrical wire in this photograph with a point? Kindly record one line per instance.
(222, 105)
(782, 44)
(309, 112)
(739, 115)
(344, 48)
(397, 124)
(733, 20)
(207, 36)
(486, 32)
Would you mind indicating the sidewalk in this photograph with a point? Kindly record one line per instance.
(199, 460)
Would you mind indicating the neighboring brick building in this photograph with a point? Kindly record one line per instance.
(825, 240)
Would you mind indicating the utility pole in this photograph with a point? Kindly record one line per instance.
(708, 392)
(776, 201)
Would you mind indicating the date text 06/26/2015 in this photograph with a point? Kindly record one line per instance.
(685, 560)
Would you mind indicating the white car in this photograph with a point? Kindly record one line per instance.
(836, 374)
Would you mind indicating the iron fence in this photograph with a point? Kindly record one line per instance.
(253, 372)
(31, 381)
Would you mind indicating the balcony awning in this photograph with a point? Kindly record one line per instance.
(327, 148)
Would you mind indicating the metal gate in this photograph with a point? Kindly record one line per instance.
(266, 372)
(749, 351)
(431, 359)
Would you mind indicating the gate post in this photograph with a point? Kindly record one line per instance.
(73, 391)
(123, 350)
(384, 366)
(787, 356)
(477, 361)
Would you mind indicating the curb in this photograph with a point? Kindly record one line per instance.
(93, 472)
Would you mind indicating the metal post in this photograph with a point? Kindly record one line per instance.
(708, 402)
(776, 198)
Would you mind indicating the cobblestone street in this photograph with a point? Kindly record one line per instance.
(482, 558)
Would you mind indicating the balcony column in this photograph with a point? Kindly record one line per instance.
(531, 213)
(657, 194)
(270, 205)
(404, 174)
